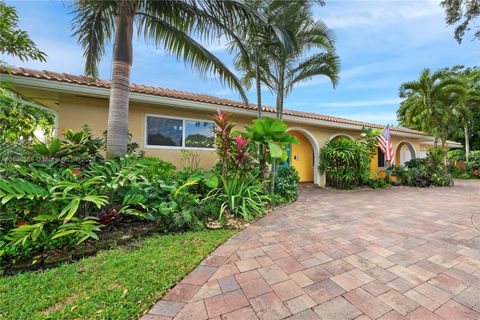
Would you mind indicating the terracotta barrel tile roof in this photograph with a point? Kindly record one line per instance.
(176, 94)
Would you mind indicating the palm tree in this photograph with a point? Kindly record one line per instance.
(288, 68)
(282, 69)
(468, 102)
(172, 25)
(256, 41)
(429, 102)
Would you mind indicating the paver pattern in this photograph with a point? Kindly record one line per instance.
(402, 253)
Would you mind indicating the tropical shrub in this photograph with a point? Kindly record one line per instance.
(223, 138)
(456, 155)
(19, 121)
(158, 169)
(473, 164)
(287, 184)
(403, 175)
(40, 204)
(45, 206)
(77, 148)
(345, 162)
(425, 172)
(64, 192)
(240, 196)
(437, 168)
(377, 183)
(272, 139)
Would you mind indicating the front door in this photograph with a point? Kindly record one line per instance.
(301, 157)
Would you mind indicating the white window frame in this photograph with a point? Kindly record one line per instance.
(182, 147)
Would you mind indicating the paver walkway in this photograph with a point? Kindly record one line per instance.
(403, 253)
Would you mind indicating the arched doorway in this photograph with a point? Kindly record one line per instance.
(303, 156)
(404, 152)
(340, 135)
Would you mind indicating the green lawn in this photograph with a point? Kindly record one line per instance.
(116, 284)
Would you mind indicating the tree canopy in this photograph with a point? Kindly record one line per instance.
(14, 41)
(445, 103)
(462, 13)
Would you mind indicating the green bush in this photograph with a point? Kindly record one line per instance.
(425, 172)
(439, 173)
(345, 162)
(19, 121)
(158, 169)
(241, 196)
(287, 184)
(473, 164)
(41, 203)
(377, 184)
(78, 148)
(456, 155)
(45, 206)
(403, 175)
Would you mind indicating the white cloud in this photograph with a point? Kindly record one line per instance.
(359, 71)
(370, 13)
(361, 103)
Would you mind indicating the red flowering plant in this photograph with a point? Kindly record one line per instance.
(242, 158)
(223, 140)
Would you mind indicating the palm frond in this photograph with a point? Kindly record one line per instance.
(93, 25)
(327, 64)
(183, 46)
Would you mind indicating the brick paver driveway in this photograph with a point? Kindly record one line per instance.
(402, 253)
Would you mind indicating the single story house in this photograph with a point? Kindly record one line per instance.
(163, 121)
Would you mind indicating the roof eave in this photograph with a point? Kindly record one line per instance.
(176, 102)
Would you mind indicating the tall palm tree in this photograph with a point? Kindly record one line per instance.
(429, 102)
(282, 69)
(314, 53)
(468, 102)
(256, 40)
(172, 25)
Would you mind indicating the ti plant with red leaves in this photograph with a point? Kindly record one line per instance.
(242, 159)
(223, 140)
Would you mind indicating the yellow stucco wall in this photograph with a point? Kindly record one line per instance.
(76, 111)
(73, 111)
(301, 157)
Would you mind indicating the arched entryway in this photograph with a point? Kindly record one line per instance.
(404, 152)
(340, 135)
(304, 155)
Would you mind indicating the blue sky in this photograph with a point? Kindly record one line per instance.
(381, 44)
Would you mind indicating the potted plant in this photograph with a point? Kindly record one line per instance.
(392, 177)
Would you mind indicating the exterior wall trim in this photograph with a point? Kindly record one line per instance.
(411, 147)
(317, 178)
(54, 112)
(341, 134)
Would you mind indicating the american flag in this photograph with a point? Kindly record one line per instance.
(385, 144)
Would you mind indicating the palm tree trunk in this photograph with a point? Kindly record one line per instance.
(117, 134)
(259, 89)
(280, 92)
(445, 137)
(467, 141)
(261, 147)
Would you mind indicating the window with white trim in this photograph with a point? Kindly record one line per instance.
(181, 133)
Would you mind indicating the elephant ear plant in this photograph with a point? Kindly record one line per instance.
(271, 135)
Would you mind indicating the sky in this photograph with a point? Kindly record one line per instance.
(381, 44)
